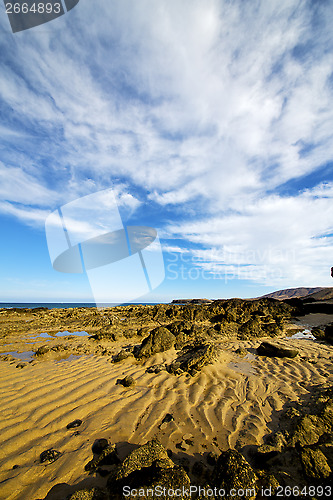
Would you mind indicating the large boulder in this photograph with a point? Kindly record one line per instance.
(144, 469)
(250, 329)
(160, 339)
(233, 472)
(275, 351)
(314, 464)
(193, 358)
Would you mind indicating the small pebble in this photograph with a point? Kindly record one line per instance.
(75, 423)
(49, 455)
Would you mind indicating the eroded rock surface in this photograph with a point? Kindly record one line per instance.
(275, 351)
(146, 467)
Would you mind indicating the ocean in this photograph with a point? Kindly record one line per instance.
(63, 305)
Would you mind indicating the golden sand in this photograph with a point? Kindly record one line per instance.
(232, 403)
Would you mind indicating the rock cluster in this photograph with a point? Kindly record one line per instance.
(306, 443)
(300, 454)
(232, 316)
(149, 469)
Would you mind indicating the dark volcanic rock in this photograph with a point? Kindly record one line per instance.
(192, 358)
(88, 494)
(156, 368)
(42, 350)
(75, 423)
(160, 339)
(128, 381)
(49, 455)
(123, 354)
(147, 467)
(249, 329)
(107, 456)
(274, 351)
(315, 464)
(99, 445)
(232, 471)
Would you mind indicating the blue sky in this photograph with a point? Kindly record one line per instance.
(211, 121)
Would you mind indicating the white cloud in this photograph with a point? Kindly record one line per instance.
(215, 103)
(20, 187)
(279, 241)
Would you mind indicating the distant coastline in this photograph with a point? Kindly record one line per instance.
(65, 305)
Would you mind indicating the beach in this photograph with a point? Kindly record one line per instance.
(232, 402)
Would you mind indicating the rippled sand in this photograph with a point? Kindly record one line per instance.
(234, 402)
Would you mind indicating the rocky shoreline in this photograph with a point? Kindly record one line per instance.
(218, 348)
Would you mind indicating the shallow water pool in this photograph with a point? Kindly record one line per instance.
(305, 334)
(46, 336)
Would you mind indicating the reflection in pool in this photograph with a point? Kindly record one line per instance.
(60, 334)
(23, 356)
(305, 334)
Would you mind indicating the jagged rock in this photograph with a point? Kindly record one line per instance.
(146, 467)
(21, 365)
(99, 445)
(232, 471)
(49, 455)
(156, 368)
(142, 332)
(318, 332)
(308, 431)
(225, 328)
(108, 456)
(267, 483)
(128, 381)
(75, 423)
(249, 329)
(160, 339)
(123, 354)
(174, 368)
(194, 358)
(42, 350)
(143, 457)
(182, 445)
(274, 351)
(315, 464)
(88, 494)
(178, 327)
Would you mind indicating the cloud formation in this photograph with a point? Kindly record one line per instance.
(206, 110)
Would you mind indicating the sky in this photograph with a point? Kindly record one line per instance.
(210, 121)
